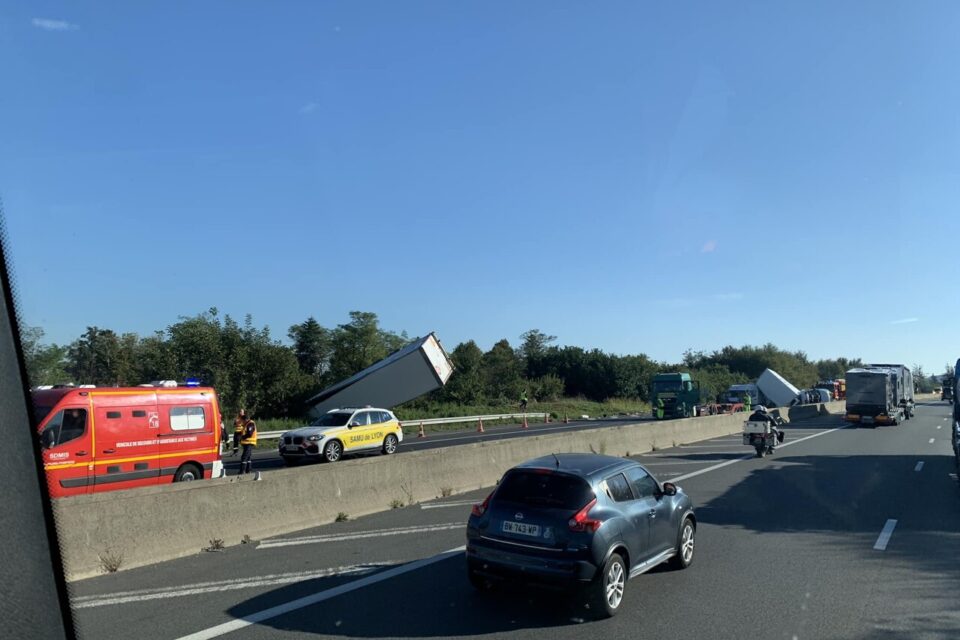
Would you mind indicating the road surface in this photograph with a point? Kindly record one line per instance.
(843, 533)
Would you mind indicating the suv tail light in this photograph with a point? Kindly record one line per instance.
(582, 522)
(480, 509)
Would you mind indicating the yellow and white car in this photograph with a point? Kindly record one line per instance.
(342, 431)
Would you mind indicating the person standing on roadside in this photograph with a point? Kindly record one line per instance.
(248, 440)
(239, 423)
(523, 402)
(747, 401)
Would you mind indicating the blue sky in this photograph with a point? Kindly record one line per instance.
(638, 177)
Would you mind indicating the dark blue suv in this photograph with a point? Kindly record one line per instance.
(579, 521)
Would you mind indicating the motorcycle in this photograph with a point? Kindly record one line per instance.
(762, 436)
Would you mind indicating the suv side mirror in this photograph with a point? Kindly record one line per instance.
(669, 489)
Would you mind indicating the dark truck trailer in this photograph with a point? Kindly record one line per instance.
(903, 380)
(872, 397)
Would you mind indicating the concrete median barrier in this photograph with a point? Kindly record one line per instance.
(144, 526)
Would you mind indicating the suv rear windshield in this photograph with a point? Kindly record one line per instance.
(331, 420)
(545, 489)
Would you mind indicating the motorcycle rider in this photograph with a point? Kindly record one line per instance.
(761, 415)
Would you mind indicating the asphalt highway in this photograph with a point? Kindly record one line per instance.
(842, 533)
(267, 458)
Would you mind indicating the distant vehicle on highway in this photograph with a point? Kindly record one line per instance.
(342, 431)
(872, 398)
(580, 522)
(903, 383)
(946, 393)
(104, 439)
(679, 393)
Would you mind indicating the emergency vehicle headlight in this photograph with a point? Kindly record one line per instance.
(315, 438)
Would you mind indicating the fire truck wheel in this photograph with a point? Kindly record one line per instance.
(188, 472)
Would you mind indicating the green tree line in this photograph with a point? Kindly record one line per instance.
(547, 372)
(245, 363)
(251, 368)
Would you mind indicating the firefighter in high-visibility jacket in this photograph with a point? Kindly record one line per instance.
(239, 423)
(248, 440)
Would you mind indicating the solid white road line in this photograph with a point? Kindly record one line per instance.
(885, 534)
(337, 537)
(320, 596)
(919, 466)
(664, 464)
(698, 472)
(441, 505)
(141, 595)
(709, 446)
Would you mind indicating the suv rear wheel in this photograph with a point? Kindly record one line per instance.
(606, 591)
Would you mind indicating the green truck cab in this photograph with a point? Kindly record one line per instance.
(673, 395)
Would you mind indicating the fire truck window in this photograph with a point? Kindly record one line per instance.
(139, 414)
(67, 425)
(113, 414)
(187, 418)
(51, 432)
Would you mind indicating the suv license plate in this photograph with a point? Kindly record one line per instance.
(521, 528)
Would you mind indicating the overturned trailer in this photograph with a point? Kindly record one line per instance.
(776, 389)
(418, 368)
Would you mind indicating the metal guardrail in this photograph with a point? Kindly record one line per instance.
(428, 421)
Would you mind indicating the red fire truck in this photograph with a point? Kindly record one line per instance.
(102, 439)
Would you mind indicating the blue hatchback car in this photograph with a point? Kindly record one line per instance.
(579, 521)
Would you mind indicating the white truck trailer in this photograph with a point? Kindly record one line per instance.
(418, 368)
(771, 390)
(775, 388)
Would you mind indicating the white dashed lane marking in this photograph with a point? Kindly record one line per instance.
(885, 534)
